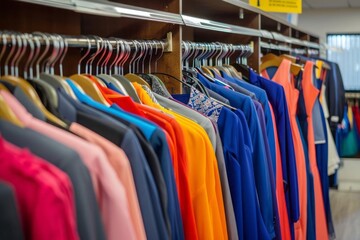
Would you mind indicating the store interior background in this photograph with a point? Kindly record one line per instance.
(322, 17)
(338, 16)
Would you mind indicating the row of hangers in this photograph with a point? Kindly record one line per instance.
(41, 55)
(208, 54)
(272, 60)
(210, 59)
(46, 52)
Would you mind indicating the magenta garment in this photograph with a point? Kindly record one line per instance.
(43, 193)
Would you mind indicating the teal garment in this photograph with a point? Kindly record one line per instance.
(349, 146)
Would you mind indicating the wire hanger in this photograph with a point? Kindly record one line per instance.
(130, 89)
(86, 83)
(132, 65)
(26, 87)
(107, 77)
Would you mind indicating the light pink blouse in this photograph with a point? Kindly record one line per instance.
(120, 163)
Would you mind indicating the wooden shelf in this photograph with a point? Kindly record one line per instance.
(227, 21)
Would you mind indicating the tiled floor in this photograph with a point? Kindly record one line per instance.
(349, 175)
(345, 207)
(345, 202)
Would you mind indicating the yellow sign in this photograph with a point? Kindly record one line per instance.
(283, 6)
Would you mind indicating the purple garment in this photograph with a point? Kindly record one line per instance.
(261, 116)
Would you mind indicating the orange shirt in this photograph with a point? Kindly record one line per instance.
(180, 168)
(203, 175)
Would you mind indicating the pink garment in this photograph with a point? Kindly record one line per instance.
(120, 163)
(43, 193)
(109, 191)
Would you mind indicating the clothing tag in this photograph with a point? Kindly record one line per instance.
(334, 118)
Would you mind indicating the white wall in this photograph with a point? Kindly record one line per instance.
(323, 21)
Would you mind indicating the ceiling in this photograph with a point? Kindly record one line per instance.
(331, 3)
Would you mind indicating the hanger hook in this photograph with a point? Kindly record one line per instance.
(59, 49)
(89, 62)
(112, 64)
(111, 48)
(13, 69)
(42, 56)
(4, 45)
(143, 58)
(30, 57)
(12, 50)
(127, 53)
(137, 59)
(161, 53)
(36, 55)
(48, 61)
(136, 47)
(21, 55)
(145, 55)
(150, 55)
(121, 57)
(84, 56)
(189, 50)
(213, 53)
(58, 40)
(66, 47)
(103, 50)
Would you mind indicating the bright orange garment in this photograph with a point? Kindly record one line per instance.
(203, 175)
(180, 170)
(112, 97)
(284, 78)
(280, 192)
(311, 93)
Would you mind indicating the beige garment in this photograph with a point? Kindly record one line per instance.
(333, 156)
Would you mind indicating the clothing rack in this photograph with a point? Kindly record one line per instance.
(83, 41)
(203, 53)
(352, 95)
(19, 42)
(218, 46)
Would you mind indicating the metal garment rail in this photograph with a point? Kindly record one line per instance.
(81, 41)
(203, 54)
(217, 46)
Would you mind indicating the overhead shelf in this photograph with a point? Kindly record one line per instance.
(266, 34)
(64, 4)
(219, 26)
(312, 44)
(111, 9)
(279, 37)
